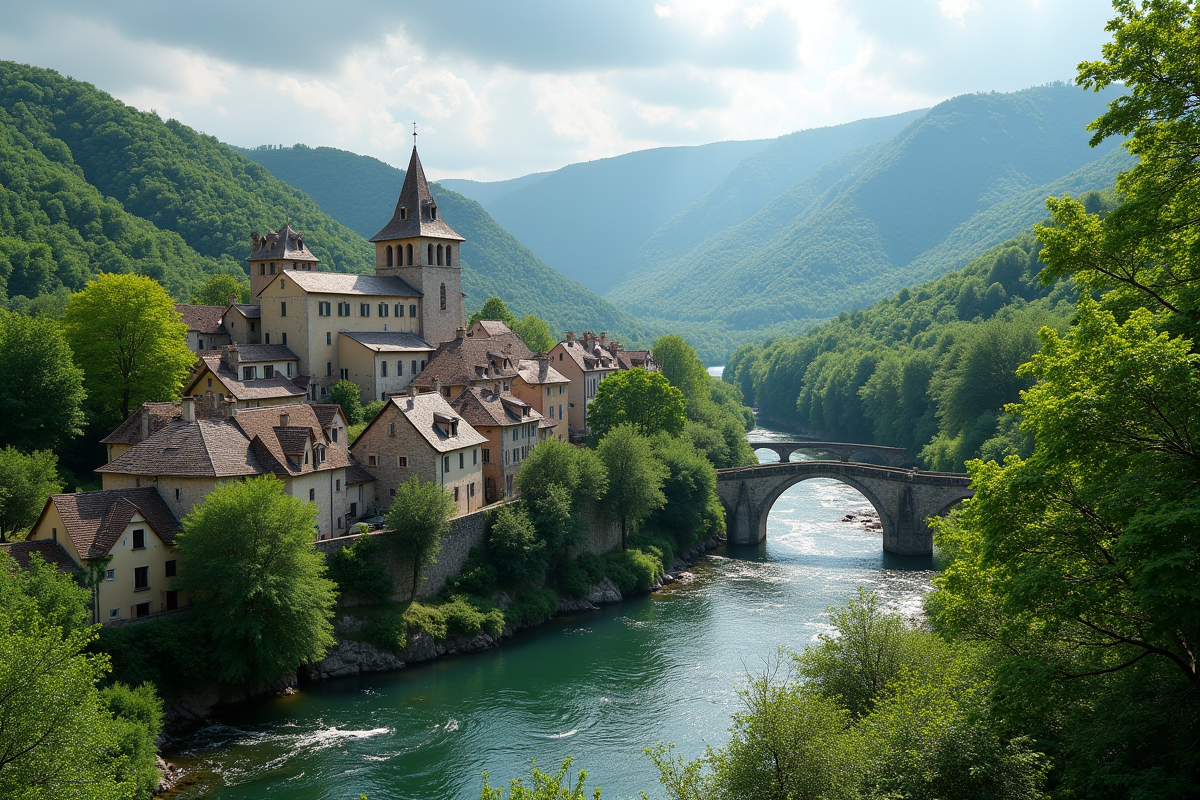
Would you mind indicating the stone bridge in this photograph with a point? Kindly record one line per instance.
(903, 498)
(844, 451)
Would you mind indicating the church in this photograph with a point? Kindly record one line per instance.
(375, 330)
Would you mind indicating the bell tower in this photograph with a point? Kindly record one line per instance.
(418, 246)
(284, 249)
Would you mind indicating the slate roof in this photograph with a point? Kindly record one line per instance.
(50, 551)
(130, 431)
(343, 283)
(95, 520)
(202, 319)
(355, 475)
(265, 352)
(326, 413)
(421, 219)
(483, 407)
(489, 327)
(282, 245)
(253, 442)
(460, 360)
(248, 311)
(588, 360)
(389, 341)
(420, 412)
(255, 389)
(537, 371)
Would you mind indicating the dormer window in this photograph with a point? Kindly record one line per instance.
(433, 212)
(403, 213)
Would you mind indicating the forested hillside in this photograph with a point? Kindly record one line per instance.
(360, 192)
(929, 368)
(853, 231)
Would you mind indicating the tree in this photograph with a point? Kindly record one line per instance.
(129, 341)
(345, 393)
(58, 737)
(645, 400)
(43, 388)
(218, 288)
(137, 722)
(535, 333)
(494, 309)
(517, 550)
(555, 462)
(635, 477)
(681, 366)
(257, 583)
(692, 509)
(25, 483)
(418, 519)
(545, 786)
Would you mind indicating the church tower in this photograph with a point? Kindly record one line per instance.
(418, 246)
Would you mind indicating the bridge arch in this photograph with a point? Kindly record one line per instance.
(773, 496)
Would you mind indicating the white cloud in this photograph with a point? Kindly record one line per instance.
(957, 9)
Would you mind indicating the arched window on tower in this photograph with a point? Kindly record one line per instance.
(410, 261)
(389, 255)
(443, 297)
(430, 259)
(439, 252)
(449, 258)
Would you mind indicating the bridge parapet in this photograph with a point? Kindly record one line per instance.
(845, 451)
(904, 498)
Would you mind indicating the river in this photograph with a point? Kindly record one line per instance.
(599, 686)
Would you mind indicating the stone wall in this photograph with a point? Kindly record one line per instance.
(466, 532)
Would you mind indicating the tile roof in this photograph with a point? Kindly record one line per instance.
(95, 520)
(248, 311)
(159, 414)
(355, 475)
(489, 327)
(420, 412)
(536, 371)
(344, 283)
(327, 413)
(50, 551)
(284, 244)
(421, 218)
(253, 442)
(389, 341)
(203, 319)
(465, 359)
(254, 389)
(265, 352)
(482, 407)
(596, 359)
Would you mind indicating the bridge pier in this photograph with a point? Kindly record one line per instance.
(904, 499)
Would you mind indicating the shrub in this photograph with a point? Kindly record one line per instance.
(388, 629)
(572, 580)
(138, 722)
(477, 577)
(358, 570)
(532, 605)
(176, 655)
(632, 570)
(469, 616)
(517, 550)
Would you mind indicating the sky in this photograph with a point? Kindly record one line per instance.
(502, 89)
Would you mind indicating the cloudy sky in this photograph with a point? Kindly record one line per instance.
(501, 89)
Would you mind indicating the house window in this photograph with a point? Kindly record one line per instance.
(248, 373)
(443, 297)
(445, 463)
(456, 494)
(449, 259)
(439, 255)
(328, 369)
(475, 456)
(335, 430)
(289, 370)
(328, 338)
(412, 309)
(339, 523)
(210, 383)
(272, 269)
(114, 613)
(141, 578)
(408, 248)
(141, 610)
(312, 493)
(345, 373)
(285, 337)
(399, 309)
(267, 338)
(383, 369)
(323, 308)
(461, 456)
(383, 309)
(282, 305)
(337, 486)
(306, 461)
(389, 256)
(402, 461)
(110, 574)
(429, 260)
(176, 494)
(269, 369)
(551, 412)
(371, 461)
(391, 429)
(364, 309)
(487, 456)
(262, 269)
(170, 569)
(414, 366)
(433, 212)
(399, 369)
(253, 327)
(282, 282)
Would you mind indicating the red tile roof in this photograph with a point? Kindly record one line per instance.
(50, 551)
(203, 319)
(95, 520)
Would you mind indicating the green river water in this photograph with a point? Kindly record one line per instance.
(599, 686)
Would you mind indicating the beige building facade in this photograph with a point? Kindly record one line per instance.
(547, 391)
(584, 362)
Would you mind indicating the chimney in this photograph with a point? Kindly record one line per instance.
(412, 390)
(189, 409)
(284, 419)
(232, 299)
(602, 335)
(437, 386)
(145, 412)
(460, 333)
(570, 336)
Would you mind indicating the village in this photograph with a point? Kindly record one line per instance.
(462, 406)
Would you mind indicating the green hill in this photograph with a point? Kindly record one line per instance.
(858, 227)
(361, 192)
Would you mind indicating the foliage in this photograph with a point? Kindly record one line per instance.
(345, 393)
(535, 333)
(418, 519)
(256, 581)
(460, 614)
(692, 510)
(635, 477)
(358, 570)
(43, 389)
(645, 400)
(555, 462)
(219, 288)
(176, 654)
(478, 576)
(130, 343)
(493, 309)
(138, 721)
(519, 554)
(632, 570)
(26, 482)
(544, 786)
(681, 366)
(371, 410)
(531, 606)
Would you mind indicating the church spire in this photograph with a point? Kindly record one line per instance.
(416, 211)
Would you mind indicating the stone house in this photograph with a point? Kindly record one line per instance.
(511, 428)
(243, 321)
(466, 361)
(545, 389)
(253, 375)
(420, 434)
(585, 362)
(128, 536)
(206, 326)
(189, 455)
